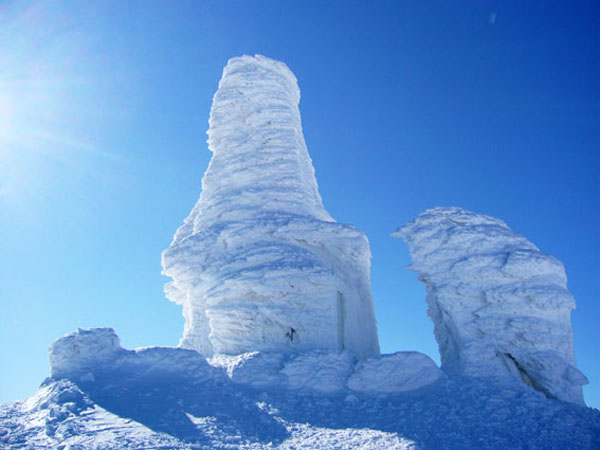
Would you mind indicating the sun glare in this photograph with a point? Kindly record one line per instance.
(5, 115)
(46, 77)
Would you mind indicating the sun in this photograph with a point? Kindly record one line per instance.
(47, 79)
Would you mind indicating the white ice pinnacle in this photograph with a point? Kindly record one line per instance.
(259, 264)
(499, 305)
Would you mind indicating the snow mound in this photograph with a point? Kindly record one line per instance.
(84, 355)
(259, 264)
(398, 372)
(89, 356)
(79, 352)
(499, 305)
(320, 371)
(61, 416)
(172, 398)
(313, 370)
(256, 369)
(330, 372)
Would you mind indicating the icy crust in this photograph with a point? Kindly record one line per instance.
(260, 160)
(331, 372)
(398, 372)
(86, 355)
(259, 264)
(499, 305)
(172, 398)
(312, 371)
(79, 352)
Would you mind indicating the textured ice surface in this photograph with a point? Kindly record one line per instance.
(110, 398)
(259, 264)
(499, 305)
(398, 372)
(311, 370)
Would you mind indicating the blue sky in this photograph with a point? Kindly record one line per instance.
(492, 106)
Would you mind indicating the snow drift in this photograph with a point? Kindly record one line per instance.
(86, 355)
(103, 397)
(499, 305)
(259, 264)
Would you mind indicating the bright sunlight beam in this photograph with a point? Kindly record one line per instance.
(48, 95)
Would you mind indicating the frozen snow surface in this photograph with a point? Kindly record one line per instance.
(398, 372)
(500, 306)
(173, 398)
(259, 264)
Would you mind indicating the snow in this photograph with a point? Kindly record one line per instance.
(280, 345)
(79, 352)
(500, 306)
(312, 370)
(259, 264)
(173, 398)
(398, 372)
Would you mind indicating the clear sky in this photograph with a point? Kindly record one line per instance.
(489, 105)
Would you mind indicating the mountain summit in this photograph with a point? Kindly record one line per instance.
(280, 347)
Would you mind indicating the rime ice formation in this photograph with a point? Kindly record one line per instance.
(101, 396)
(92, 356)
(398, 372)
(259, 264)
(498, 304)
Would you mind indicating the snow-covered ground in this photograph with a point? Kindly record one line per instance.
(173, 398)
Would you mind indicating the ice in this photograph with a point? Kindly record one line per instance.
(398, 372)
(320, 371)
(84, 355)
(259, 264)
(173, 398)
(311, 370)
(77, 353)
(280, 342)
(330, 371)
(500, 306)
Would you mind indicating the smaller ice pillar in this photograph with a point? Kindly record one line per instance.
(499, 305)
(259, 264)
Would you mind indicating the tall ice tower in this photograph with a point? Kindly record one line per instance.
(259, 264)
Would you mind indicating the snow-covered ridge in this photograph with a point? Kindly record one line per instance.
(500, 306)
(84, 355)
(104, 397)
(280, 343)
(259, 264)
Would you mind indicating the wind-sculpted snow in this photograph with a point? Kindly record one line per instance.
(312, 370)
(259, 264)
(499, 305)
(172, 398)
(398, 372)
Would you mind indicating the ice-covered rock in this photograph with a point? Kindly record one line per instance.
(87, 354)
(499, 305)
(259, 264)
(79, 352)
(330, 371)
(257, 369)
(165, 397)
(313, 370)
(320, 371)
(398, 372)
